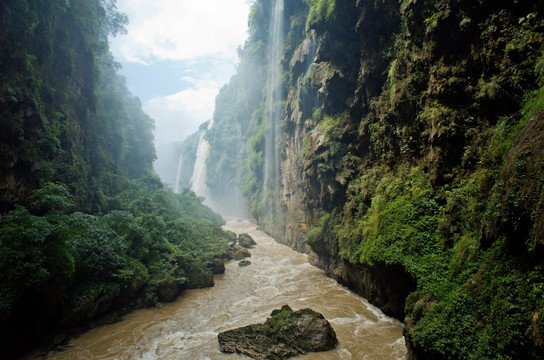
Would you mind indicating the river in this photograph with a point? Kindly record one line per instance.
(188, 327)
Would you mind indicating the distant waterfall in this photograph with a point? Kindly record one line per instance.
(198, 179)
(313, 52)
(176, 184)
(275, 97)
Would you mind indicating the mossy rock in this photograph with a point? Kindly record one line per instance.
(168, 289)
(200, 280)
(217, 267)
(521, 190)
(285, 334)
(236, 252)
(246, 241)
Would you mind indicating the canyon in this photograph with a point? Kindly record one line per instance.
(401, 169)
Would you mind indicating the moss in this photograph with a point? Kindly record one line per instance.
(330, 125)
(447, 327)
(392, 216)
(320, 11)
(411, 160)
(397, 198)
(315, 234)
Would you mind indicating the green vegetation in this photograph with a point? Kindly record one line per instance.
(157, 241)
(468, 234)
(86, 229)
(417, 138)
(320, 11)
(473, 300)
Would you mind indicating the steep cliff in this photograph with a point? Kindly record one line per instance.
(411, 160)
(86, 231)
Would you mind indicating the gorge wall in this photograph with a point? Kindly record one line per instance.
(411, 156)
(87, 232)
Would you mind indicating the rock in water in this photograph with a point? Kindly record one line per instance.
(236, 252)
(246, 241)
(244, 263)
(285, 333)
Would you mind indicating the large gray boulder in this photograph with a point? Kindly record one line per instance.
(285, 333)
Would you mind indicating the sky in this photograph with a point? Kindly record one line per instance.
(177, 55)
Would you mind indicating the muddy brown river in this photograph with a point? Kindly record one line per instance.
(188, 327)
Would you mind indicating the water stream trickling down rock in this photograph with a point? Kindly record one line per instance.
(275, 97)
(178, 173)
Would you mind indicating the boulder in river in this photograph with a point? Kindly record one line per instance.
(236, 252)
(244, 263)
(246, 241)
(285, 333)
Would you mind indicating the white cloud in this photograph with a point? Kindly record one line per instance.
(203, 35)
(182, 29)
(179, 115)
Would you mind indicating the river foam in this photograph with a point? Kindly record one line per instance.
(187, 328)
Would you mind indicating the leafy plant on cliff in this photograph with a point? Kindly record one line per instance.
(320, 11)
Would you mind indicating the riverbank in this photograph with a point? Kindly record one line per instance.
(188, 327)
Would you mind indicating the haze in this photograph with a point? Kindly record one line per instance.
(176, 56)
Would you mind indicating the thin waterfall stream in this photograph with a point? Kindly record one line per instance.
(178, 173)
(275, 97)
(198, 179)
(188, 327)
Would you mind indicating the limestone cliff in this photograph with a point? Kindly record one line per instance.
(411, 161)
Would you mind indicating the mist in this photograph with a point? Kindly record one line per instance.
(175, 57)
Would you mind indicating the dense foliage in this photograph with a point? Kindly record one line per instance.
(86, 229)
(413, 144)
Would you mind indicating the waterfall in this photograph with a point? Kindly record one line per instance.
(198, 179)
(275, 97)
(310, 60)
(176, 184)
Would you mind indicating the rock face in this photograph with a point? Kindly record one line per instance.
(521, 178)
(403, 138)
(244, 263)
(246, 241)
(236, 252)
(285, 334)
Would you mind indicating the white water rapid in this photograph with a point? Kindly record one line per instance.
(188, 327)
